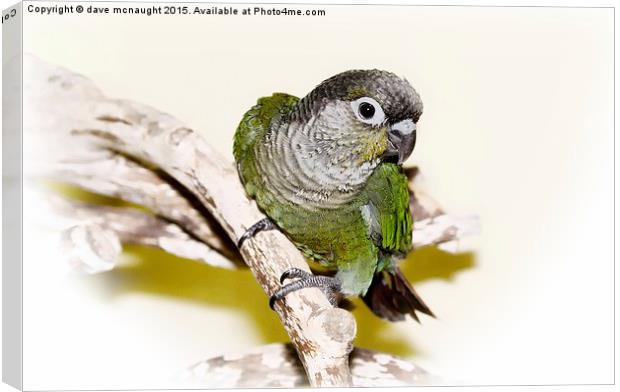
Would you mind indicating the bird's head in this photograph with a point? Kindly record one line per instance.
(372, 113)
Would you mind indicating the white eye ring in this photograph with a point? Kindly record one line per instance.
(372, 114)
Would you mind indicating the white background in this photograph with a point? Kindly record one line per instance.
(517, 128)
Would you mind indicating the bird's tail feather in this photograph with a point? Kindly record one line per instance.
(391, 296)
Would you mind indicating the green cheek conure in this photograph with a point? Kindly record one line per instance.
(326, 170)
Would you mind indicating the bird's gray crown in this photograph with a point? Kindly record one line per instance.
(396, 96)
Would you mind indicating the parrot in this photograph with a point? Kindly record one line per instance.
(327, 172)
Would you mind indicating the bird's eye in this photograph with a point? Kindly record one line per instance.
(368, 111)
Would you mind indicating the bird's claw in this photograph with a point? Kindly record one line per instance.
(262, 225)
(294, 273)
(329, 285)
(272, 301)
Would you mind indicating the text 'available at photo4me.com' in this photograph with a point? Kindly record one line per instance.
(172, 9)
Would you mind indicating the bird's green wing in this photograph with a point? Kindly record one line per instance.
(252, 128)
(390, 295)
(390, 217)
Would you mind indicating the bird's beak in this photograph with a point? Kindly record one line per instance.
(401, 140)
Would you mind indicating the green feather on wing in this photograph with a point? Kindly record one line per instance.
(388, 193)
(390, 295)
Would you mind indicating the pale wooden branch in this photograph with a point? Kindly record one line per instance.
(90, 248)
(277, 366)
(432, 225)
(129, 226)
(119, 177)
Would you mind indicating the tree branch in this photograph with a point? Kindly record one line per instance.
(95, 232)
(115, 175)
(432, 225)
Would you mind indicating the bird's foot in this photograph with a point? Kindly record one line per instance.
(262, 225)
(328, 284)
